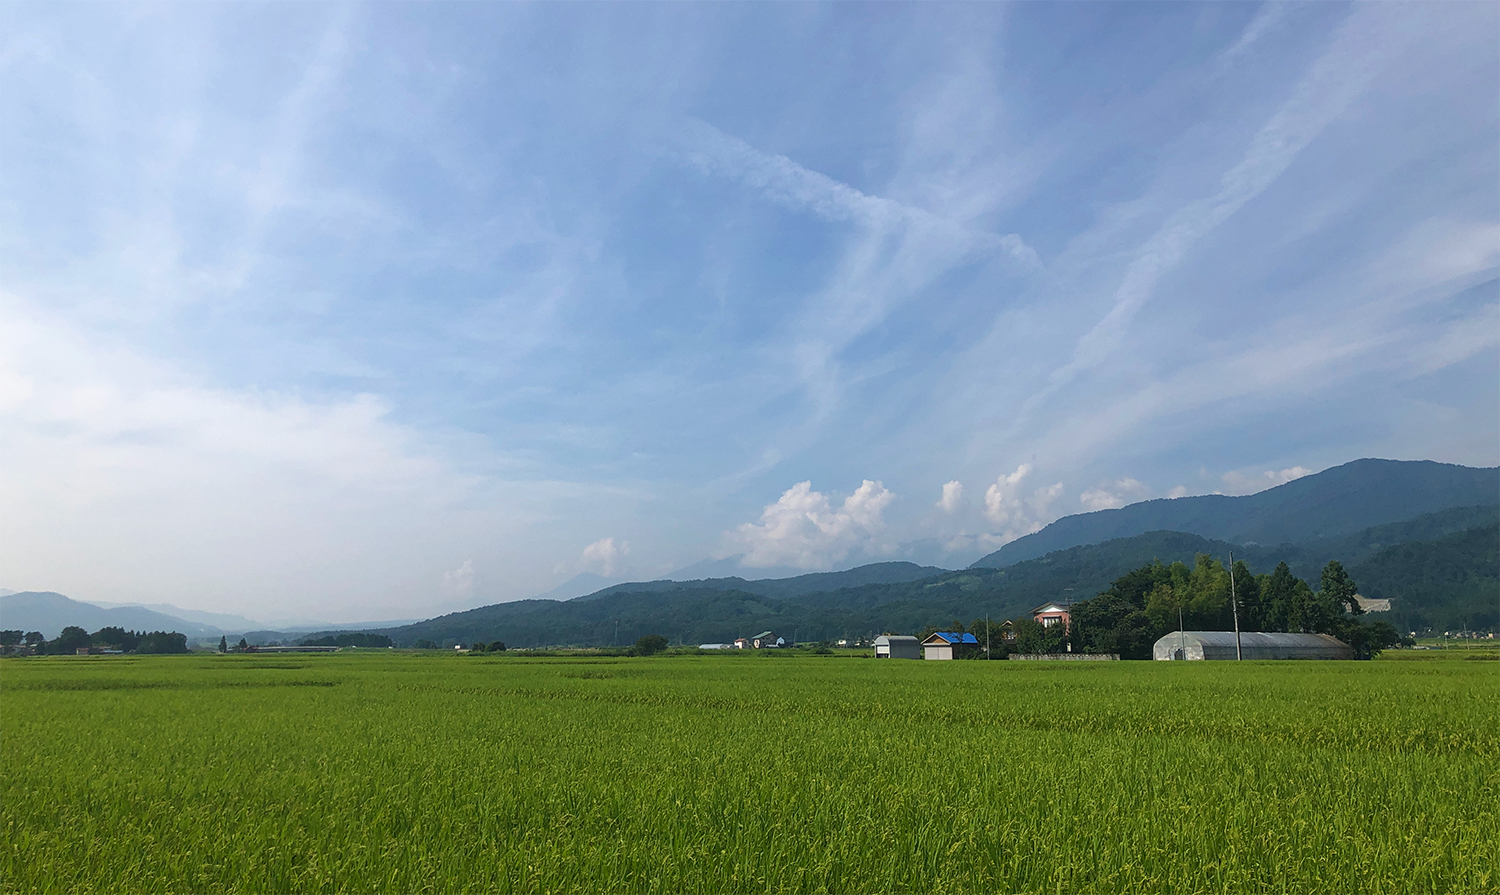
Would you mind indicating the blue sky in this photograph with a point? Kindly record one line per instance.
(356, 311)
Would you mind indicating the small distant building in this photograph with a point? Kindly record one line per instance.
(1191, 645)
(897, 646)
(948, 645)
(1052, 613)
(741, 643)
(81, 651)
(767, 640)
(1370, 604)
(715, 646)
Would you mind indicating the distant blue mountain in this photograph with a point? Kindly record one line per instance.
(49, 613)
(1335, 502)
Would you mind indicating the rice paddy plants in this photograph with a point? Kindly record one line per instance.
(417, 772)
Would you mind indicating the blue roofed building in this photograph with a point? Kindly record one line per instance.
(948, 645)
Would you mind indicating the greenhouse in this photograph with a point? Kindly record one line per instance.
(1252, 645)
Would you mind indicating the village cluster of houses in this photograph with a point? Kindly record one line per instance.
(944, 645)
(763, 640)
(939, 646)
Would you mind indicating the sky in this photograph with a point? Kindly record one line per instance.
(354, 312)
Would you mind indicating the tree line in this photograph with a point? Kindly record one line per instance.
(74, 638)
(1142, 605)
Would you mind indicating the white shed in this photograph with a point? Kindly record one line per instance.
(897, 646)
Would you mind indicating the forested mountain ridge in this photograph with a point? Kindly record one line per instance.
(782, 588)
(1333, 503)
(719, 610)
(1448, 584)
(711, 611)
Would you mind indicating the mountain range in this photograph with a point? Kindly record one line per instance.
(717, 610)
(49, 613)
(1337, 501)
(1355, 513)
(1421, 533)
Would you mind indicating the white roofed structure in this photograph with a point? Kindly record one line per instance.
(1253, 645)
(897, 646)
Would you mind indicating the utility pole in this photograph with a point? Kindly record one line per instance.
(987, 654)
(1181, 641)
(1234, 604)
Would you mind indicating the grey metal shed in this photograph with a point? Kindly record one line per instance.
(897, 646)
(1253, 645)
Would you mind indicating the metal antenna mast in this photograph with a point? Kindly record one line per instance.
(1234, 604)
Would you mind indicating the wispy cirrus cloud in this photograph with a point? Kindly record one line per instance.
(786, 182)
(328, 302)
(1364, 43)
(893, 254)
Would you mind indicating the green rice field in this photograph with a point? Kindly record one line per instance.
(375, 771)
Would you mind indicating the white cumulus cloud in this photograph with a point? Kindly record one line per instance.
(1248, 483)
(953, 497)
(1113, 496)
(803, 529)
(605, 555)
(1017, 511)
(460, 581)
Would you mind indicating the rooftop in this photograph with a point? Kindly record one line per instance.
(954, 637)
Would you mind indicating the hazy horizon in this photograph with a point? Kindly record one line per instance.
(375, 311)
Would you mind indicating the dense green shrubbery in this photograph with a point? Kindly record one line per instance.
(650, 645)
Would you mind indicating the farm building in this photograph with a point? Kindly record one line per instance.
(948, 645)
(767, 640)
(295, 649)
(1051, 613)
(1253, 645)
(897, 646)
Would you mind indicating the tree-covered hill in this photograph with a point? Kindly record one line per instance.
(1448, 584)
(694, 612)
(901, 598)
(781, 588)
(1334, 503)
